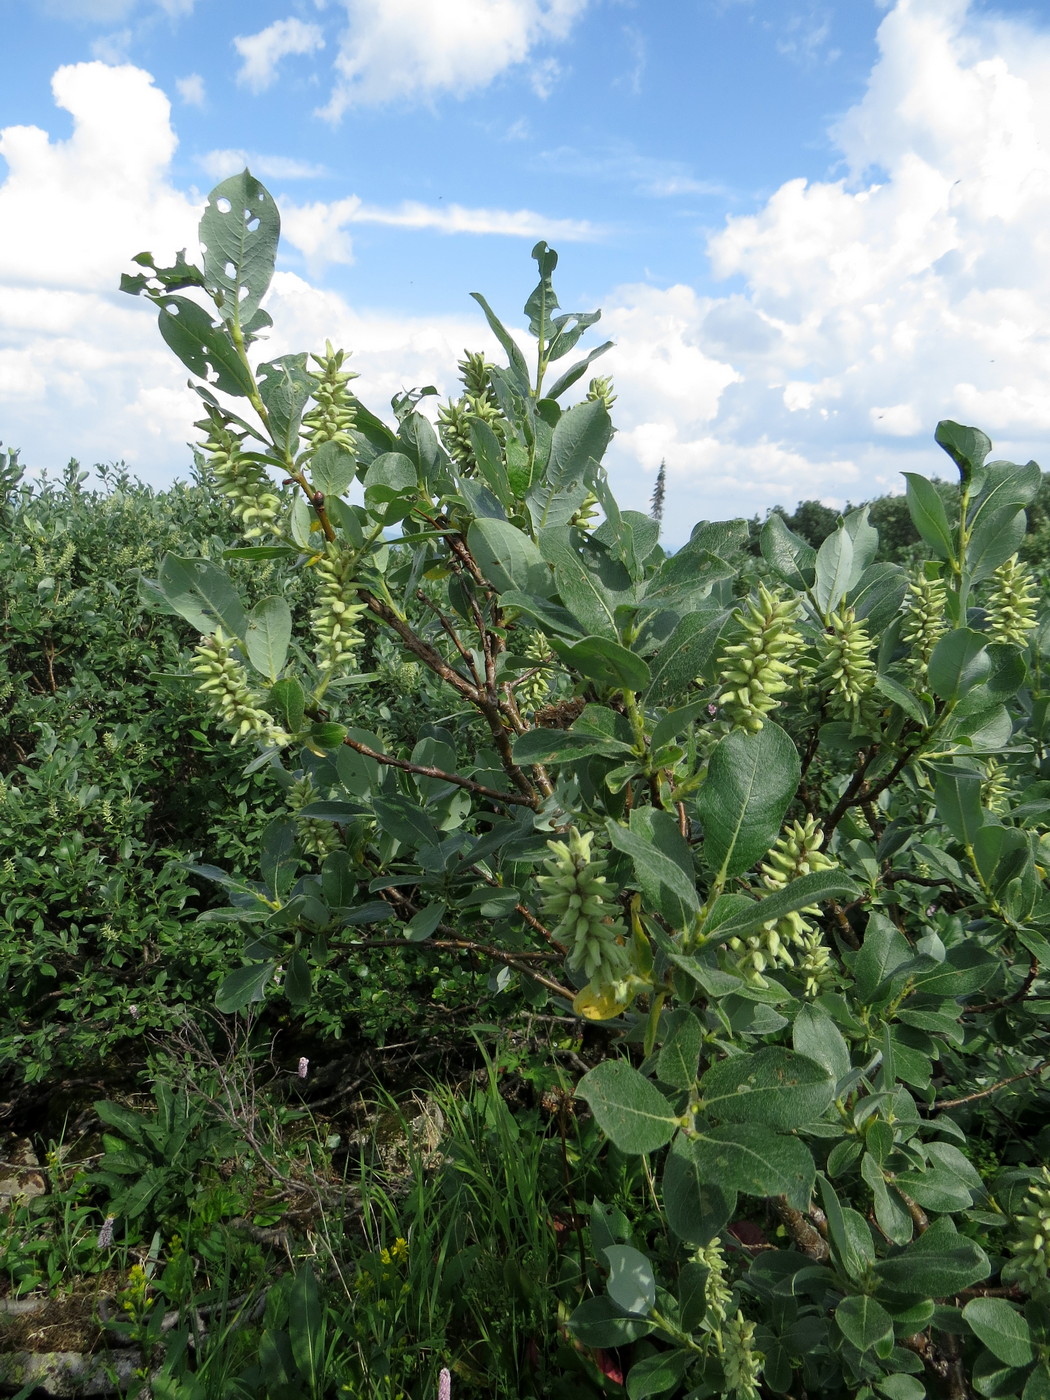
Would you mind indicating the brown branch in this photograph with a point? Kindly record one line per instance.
(992, 1088)
(1019, 995)
(805, 1234)
(426, 770)
(451, 632)
(464, 945)
(429, 655)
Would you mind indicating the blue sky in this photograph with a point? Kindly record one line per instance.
(814, 228)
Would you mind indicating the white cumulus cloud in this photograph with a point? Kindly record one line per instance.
(318, 229)
(912, 288)
(398, 50)
(262, 52)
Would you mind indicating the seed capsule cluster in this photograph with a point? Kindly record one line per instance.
(600, 390)
(741, 1359)
(254, 501)
(1030, 1266)
(225, 682)
(924, 623)
(478, 402)
(792, 941)
(332, 416)
(574, 902)
(315, 838)
(337, 609)
(1012, 604)
(845, 673)
(757, 669)
(532, 689)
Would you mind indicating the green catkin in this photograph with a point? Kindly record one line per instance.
(315, 838)
(574, 901)
(1011, 604)
(600, 390)
(924, 619)
(254, 501)
(478, 402)
(337, 609)
(756, 670)
(995, 788)
(532, 689)
(331, 419)
(780, 942)
(740, 1358)
(1030, 1265)
(224, 681)
(845, 674)
(717, 1291)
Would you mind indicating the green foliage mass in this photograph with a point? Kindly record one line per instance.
(816, 796)
(792, 813)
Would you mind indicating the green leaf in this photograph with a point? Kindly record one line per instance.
(288, 702)
(661, 878)
(884, 949)
(799, 894)
(697, 1207)
(685, 654)
(297, 980)
(284, 387)
(332, 468)
(306, 1327)
(519, 369)
(202, 593)
(202, 346)
(928, 515)
(581, 581)
(244, 986)
(390, 476)
(776, 1087)
(866, 1324)
(576, 371)
(816, 1035)
(747, 1158)
(239, 233)
(900, 695)
(581, 436)
(631, 1283)
(995, 538)
(605, 662)
(959, 661)
(958, 798)
(563, 746)
(598, 1322)
(937, 1264)
(628, 1108)
(268, 636)
(849, 1232)
(967, 447)
(834, 575)
(679, 1056)
(422, 924)
(750, 781)
(656, 1375)
(508, 557)
(791, 558)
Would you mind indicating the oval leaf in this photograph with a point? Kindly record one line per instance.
(628, 1107)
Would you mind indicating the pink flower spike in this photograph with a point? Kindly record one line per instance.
(444, 1385)
(304, 1065)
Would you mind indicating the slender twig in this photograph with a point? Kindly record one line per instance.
(427, 770)
(993, 1088)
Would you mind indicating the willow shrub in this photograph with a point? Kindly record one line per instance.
(780, 823)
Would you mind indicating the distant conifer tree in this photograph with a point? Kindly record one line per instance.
(656, 508)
